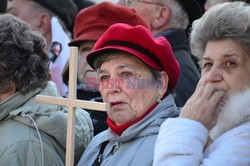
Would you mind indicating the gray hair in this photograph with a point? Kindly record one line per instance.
(226, 20)
(156, 75)
(179, 17)
(210, 3)
(115, 55)
(23, 58)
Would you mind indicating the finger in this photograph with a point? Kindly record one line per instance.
(209, 90)
(215, 101)
(218, 108)
(202, 82)
(201, 85)
(199, 91)
(204, 93)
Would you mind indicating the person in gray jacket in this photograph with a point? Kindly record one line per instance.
(31, 133)
(134, 80)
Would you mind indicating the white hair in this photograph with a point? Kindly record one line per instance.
(179, 17)
(225, 20)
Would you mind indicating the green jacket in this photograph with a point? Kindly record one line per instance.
(19, 139)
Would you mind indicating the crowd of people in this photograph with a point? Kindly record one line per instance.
(175, 74)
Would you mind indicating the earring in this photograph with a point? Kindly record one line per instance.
(158, 99)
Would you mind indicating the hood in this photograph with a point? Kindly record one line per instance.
(235, 112)
(51, 119)
(148, 125)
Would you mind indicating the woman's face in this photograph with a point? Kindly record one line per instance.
(227, 65)
(84, 70)
(128, 96)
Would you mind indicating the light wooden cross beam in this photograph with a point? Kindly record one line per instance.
(72, 104)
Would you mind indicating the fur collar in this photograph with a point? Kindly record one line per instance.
(235, 112)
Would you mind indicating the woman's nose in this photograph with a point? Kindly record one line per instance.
(214, 75)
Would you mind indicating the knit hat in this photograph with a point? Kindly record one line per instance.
(139, 42)
(64, 9)
(93, 21)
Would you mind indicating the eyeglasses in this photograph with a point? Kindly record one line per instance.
(129, 2)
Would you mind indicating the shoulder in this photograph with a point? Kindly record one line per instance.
(20, 144)
(174, 128)
(92, 150)
(234, 145)
(98, 140)
(13, 132)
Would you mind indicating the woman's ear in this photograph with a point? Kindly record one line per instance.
(162, 18)
(8, 92)
(164, 83)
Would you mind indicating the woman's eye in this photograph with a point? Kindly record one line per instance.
(104, 78)
(231, 63)
(126, 74)
(207, 65)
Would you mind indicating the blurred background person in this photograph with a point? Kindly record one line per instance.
(54, 20)
(171, 19)
(3, 6)
(81, 4)
(90, 24)
(32, 133)
(219, 109)
(202, 4)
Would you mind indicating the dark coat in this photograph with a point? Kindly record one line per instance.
(190, 75)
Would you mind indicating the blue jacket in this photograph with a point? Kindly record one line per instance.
(136, 144)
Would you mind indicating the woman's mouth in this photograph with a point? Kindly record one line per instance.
(117, 104)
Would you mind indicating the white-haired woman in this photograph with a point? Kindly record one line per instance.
(219, 109)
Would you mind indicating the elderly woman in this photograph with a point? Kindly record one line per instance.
(135, 72)
(221, 39)
(31, 133)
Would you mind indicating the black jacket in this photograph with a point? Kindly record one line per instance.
(189, 75)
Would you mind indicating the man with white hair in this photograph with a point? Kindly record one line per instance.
(54, 20)
(172, 19)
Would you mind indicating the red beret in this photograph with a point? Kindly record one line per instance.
(93, 21)
(140, 42)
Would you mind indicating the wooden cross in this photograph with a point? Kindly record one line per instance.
(71, 102)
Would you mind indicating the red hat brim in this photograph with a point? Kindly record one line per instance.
(144, 58)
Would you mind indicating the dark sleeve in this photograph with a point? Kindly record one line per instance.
(188, 80)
